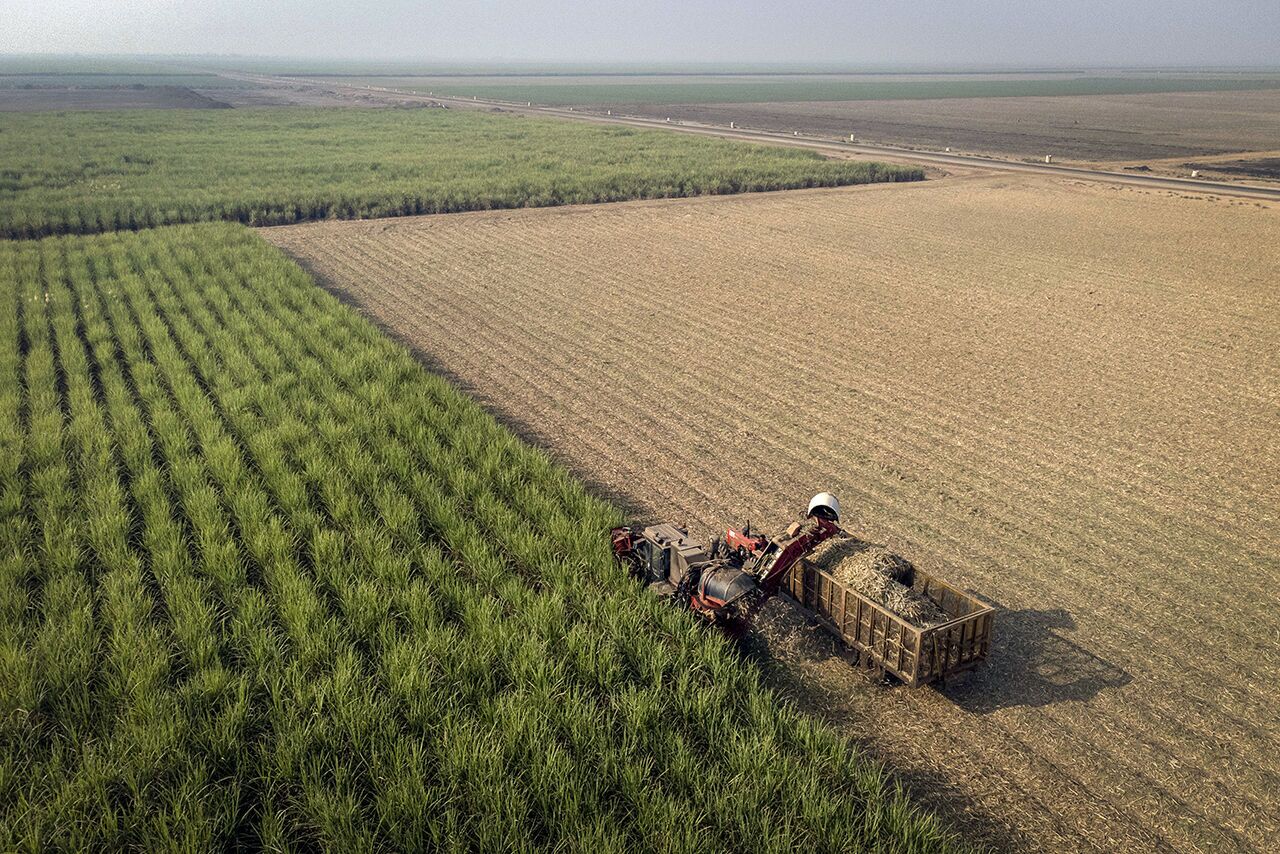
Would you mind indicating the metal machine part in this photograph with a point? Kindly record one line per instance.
(731, 578)
(825, 504)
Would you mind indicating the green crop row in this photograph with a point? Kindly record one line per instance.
(267, 583)
(83, 173)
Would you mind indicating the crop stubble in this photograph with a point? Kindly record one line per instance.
(1062, 396)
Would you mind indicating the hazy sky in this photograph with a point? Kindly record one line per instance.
(1036, 32)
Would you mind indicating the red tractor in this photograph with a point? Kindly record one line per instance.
(729, 580)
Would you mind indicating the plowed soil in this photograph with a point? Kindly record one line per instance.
(1062, 396)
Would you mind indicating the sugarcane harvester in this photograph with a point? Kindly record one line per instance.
(730, 579)
(727, 581)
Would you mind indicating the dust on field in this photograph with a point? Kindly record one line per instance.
(1060, 395)
(1087, 128)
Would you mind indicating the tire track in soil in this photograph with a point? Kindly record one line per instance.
(552, 318)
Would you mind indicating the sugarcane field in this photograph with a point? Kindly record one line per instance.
(646, 429)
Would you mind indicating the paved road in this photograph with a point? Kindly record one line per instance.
(932, 158)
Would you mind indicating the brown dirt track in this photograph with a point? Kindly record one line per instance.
(1063, 396)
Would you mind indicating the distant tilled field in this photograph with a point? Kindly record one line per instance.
(1061, 396)
(1147, 126)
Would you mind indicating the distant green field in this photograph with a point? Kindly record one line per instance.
(92, 172)
(38, 72)
(702, 90)
(112, 81)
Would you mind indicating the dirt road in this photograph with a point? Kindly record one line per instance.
(1060, 394)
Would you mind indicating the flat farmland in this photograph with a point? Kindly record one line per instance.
(1091, 128)
(85, 173)
(107, 98)
(1060, 395)
(619, 89)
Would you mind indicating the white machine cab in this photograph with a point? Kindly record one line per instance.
(825, 504)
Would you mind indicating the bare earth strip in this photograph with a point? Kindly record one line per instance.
(1063, 396)
(1088, 128)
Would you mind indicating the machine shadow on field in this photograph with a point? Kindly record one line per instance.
(811, 668)
(1034, 665)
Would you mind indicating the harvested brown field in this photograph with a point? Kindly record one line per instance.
(1255, 167)
(1087, 128)
(1062, 396)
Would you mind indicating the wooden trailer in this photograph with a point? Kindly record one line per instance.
(886, 642)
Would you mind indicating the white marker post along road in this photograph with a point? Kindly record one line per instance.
(938, 158)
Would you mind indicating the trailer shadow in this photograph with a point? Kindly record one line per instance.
(812, 669)
(1033, 664)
